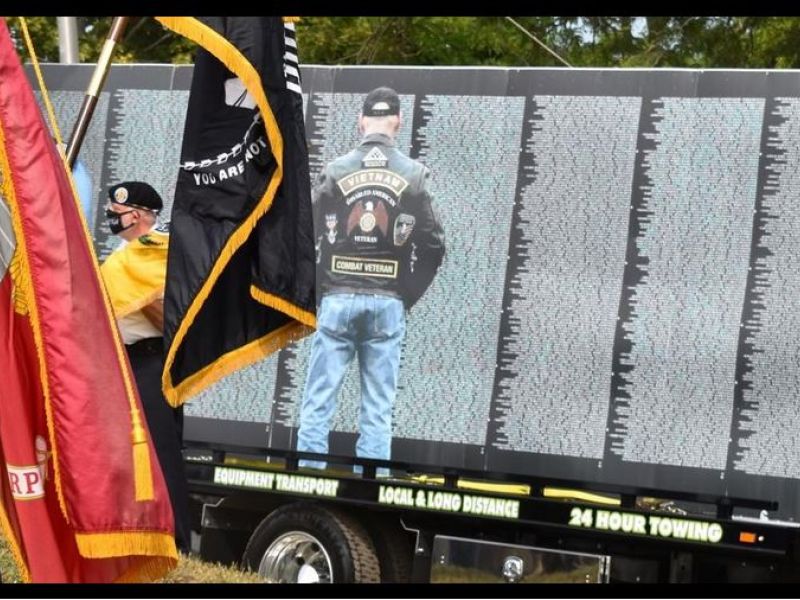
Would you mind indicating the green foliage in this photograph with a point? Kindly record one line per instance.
(423, 41)
(145, 40)
(695, 42)
(44, 34)
(698, 42)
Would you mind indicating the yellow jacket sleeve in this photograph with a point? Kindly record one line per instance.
(135, 275)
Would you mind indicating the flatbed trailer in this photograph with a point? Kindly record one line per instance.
(463, 526)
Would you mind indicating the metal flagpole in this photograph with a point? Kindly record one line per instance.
(68, 40)
(95, 85)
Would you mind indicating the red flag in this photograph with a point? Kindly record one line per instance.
(83, 497)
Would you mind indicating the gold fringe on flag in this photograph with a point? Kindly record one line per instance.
(126, 543)
(236, 359)
(155, 552)
(283, 306)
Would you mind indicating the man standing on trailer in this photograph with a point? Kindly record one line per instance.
(379, 246)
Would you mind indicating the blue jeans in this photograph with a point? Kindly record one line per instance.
(371, 326)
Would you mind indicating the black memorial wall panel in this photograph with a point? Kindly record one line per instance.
(619, 300)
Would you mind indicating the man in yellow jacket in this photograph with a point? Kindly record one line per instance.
(135, 276)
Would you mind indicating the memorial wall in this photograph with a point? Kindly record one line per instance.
(619, 301)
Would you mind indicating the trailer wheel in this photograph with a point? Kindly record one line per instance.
(309, 543)
(395, 550)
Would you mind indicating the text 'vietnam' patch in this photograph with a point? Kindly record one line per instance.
(372, 177)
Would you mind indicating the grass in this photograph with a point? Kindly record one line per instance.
(193, 570)
(189, 570)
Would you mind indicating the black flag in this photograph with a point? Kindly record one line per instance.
(240, 271)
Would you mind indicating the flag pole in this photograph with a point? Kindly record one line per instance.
(95, 85)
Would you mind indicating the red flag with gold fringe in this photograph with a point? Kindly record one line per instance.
(83, 497)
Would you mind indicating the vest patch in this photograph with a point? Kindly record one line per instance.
(367, 267)
(374, 158)
(372, 177)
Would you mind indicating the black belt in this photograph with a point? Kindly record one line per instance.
(147, 346)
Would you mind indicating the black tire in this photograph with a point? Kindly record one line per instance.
(395, 549)
(348, 546)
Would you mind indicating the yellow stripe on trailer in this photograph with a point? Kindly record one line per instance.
(580, 495)
(497, 488)
(521, 490)
(483, 486)
(517, 489)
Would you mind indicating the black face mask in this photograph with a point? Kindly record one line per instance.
(114, 221)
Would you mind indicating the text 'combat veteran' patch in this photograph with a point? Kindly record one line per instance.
(354, 265)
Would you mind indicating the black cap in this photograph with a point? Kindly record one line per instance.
(380, 102)
(137, 193)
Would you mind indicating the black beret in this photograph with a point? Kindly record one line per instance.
(137, 193)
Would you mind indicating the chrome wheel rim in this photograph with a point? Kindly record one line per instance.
(296, 557)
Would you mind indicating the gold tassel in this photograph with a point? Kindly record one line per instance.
(142, 473)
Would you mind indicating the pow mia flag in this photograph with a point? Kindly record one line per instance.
(241, 264)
